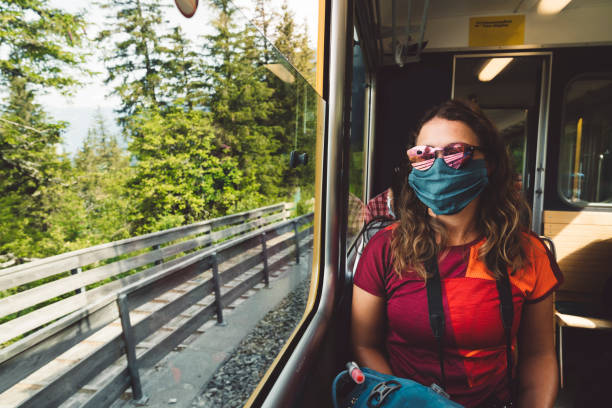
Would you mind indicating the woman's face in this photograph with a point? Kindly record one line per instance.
(440, 132)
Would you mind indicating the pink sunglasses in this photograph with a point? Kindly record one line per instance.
(455, 155)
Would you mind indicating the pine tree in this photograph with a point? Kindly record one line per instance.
(102, 169)
(181, 76)
(182, 176)
(39, 44)
(286, 34)
(134, 63)
(28, 141)
(293, 43)
(29, 166)
(263, 21)
(305, 56)
(295, 100)
(241, 104)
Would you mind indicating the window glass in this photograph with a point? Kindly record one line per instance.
(356, 207)
(279, 20)
(585, 162)
(512, 126)
(183, 151)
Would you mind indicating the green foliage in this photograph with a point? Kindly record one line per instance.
(30, 168)
(304, 207)
(356, 174)
(242, 105)
(181, 79)
(101, 171)
(297, 101)
(39, 44)
(305, 57)
(134, 62)
(210, 127)
(293, 43)
(180, 170)
(286, 33)
(263, 20)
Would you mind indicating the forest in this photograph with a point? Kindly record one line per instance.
(206, 125)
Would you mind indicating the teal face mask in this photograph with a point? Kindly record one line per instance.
(446, 190)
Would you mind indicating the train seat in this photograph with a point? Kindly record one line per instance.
(577, 314)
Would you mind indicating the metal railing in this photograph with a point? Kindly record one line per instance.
(71, 320)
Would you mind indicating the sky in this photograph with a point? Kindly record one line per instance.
(79, 110)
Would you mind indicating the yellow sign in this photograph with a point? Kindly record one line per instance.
(497, 30)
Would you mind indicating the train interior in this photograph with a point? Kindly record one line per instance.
(332, 139)
(408, 56)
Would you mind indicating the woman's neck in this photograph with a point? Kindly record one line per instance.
(460, 227)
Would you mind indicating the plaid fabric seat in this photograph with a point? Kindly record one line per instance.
(356, 214)
(378, 207)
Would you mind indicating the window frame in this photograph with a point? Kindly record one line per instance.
(568, 85)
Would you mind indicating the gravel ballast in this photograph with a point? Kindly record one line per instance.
(235, 380)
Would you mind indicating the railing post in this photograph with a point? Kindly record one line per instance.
(130, 350)
(264, 251)
(297, 242)
(76, 271)
(161, 260)
(286, 212)
(217, 285)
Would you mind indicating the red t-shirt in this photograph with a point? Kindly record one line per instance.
(474, 342)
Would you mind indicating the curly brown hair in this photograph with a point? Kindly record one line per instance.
(505, 215)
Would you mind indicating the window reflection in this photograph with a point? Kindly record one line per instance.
(585, 170)
(356, 208)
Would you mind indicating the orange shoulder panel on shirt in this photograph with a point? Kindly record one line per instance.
(391, 227)
(545, 270)
(524, 279)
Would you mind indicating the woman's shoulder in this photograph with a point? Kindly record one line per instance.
(542, 271)
(534, 245)
(374, 267)
(378, 248)
(382, 238)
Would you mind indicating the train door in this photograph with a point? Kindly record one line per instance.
(512, 90)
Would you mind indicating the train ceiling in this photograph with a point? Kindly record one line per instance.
(375, 22)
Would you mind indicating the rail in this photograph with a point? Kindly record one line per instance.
(245, 240)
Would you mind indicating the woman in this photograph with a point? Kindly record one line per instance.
(461, 208)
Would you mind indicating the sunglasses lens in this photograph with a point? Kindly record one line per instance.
(457, 154)
(421, 157)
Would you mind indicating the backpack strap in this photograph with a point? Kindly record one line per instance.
(436, 310)
(507, 314)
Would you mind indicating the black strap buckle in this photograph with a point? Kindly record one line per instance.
(381, 391)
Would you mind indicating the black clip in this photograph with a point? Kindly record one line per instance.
(381, 391)
(296, 159)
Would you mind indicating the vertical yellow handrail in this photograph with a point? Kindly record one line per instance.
(577, 159)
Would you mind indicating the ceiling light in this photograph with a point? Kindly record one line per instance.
(552, 6)
(492, 68)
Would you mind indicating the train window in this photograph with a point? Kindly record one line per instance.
(356, 198)
(163, 168)
(512, 124)
(585, 162)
